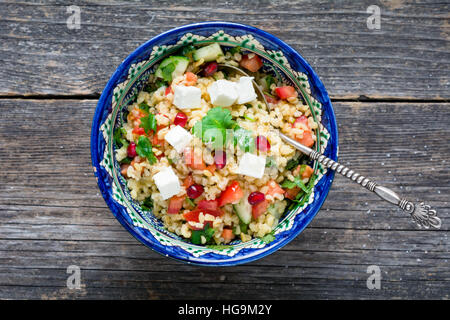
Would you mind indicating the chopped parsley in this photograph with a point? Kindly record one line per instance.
(212, 129)
(296, 183)
(147, 204)
(119, 137)
(148, 123)
(145, 107)
(207, 232)
(144, 149)
(167, 71)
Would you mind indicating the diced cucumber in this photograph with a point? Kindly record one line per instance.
(208, 53)
(179, 66)
(277, 209)
(244, 210)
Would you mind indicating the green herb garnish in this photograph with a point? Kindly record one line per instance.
(270, 162)
(207, 232)
(147, 204)
(235, 50)
(269, 81)
(296, 183)
(244, 139)
(119, 137)
(144, 149)
(190, 202)
(148, 123)
(127, 160)
(212, 128)
(167, 71)
(145, 107)
(268, 238)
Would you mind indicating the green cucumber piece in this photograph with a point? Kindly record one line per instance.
(180, 65)
(208, 53)
(243, 210)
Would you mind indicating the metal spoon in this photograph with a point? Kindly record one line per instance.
(421, 213)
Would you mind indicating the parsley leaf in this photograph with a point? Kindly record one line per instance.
(296, 183)
(235, 50)
(167, 71)
(212, 128)
(270, 162)
(144, 149)
(244, 139)
(119, 137)
(127, 160)
(269, 81)
(147, 204)
(145, 107)
(148, 123)
(207, 232)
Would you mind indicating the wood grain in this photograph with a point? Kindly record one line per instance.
(52, 216)
(408, 58)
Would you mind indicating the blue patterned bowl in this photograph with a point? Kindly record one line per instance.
(129, 79)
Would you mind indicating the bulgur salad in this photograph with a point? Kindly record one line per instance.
(200, 150)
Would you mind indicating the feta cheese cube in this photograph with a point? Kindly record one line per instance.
(179, 138)
(167, 182)
(252, 165)
(187, 97)
(223, 93)
(246, 90)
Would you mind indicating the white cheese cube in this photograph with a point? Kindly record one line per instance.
(187, 97)
(246, 90)
(179, 138)
(167, 182)
(252, 165)
(223, 93)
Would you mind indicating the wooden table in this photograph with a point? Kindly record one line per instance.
(391, 93)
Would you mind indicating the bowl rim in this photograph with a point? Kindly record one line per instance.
(312, 76)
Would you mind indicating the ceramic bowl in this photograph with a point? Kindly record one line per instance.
(129, 79)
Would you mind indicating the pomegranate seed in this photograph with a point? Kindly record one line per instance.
(210, 69)
(180, 119)
(256, 197)
(132, 150)
(220, 158)
(262, 144)
(194, 191)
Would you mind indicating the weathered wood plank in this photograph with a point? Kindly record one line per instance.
(52, 216)
(408, 58)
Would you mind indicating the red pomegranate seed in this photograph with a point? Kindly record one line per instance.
(132, 150)
(220, 159)
(180, 119)
(194, 191)
(210, 69)
(262, 144)
(256, 197)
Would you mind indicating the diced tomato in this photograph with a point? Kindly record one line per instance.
(192, 161)
(175, 204)
(274, 188)
(292, 193)
(138, 131)
(286, 92)
(259, 208)
(301, 119)
(227, 234)
(307, 173)
(208, 204)
(191, 78)
(271, 99)
(123, 169)
(307, 139)
(211, 168)
(168, 90)
(232, 194)
(253, 64)
(188, 181)
(193, 216)
(156, 141)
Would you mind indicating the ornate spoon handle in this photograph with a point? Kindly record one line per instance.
(421, 213)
